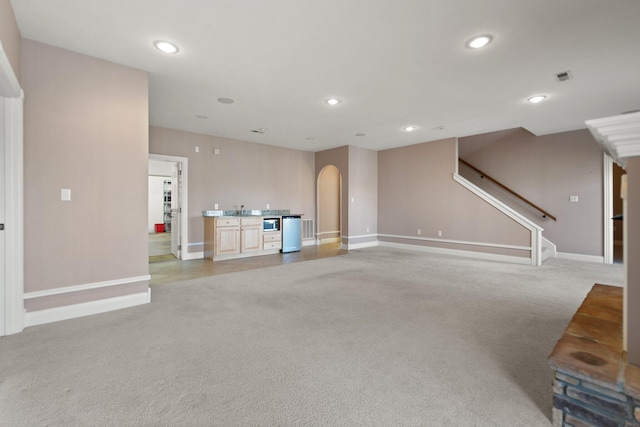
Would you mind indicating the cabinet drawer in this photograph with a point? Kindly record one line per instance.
(227, 222)
(271, 245)
(271, 237)
(252, 221)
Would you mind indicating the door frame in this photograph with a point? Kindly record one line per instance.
(318, 238)
(184, 201)
(12, 283)
(608, 208)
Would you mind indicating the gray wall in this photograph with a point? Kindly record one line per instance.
(416, 190)
(363, 194)
(244, 173)
(547, 170)
(85, 129)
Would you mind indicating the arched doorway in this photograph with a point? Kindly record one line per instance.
(329, 193)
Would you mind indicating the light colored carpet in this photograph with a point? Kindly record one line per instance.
(375, 337)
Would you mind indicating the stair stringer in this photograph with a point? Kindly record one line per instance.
(548, 249)
(534, 229)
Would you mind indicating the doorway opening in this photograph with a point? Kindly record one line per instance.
(613, 212)
(329, 203)
(618, 222)
(11, 200)
(167, 208)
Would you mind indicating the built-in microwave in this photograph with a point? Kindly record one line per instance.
(271, 224)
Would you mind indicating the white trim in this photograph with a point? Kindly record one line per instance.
(12, 95)
(328, 232)
(187, 256)
(619, 136)
(552, 251)
(458, 242)
(56, 314)
(534, 229)
(86, 287)
(511, 213)
(184, 215)
(9, 85)
(195, 244)
(318, 240)
(628, 305)
(581, 257)
(457, 252)
(331, 240)
(608, 208)
(362, 236)
(351, 246)
(309, 242)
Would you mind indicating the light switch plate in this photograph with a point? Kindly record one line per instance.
(65, 194)
(215, 206)
(573, 199)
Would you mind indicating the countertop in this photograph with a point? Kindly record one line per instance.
(247, 213)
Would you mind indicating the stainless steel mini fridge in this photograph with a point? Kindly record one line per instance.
(291, 233)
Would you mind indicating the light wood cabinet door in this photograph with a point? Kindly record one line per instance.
(227, 240)
(251, 238)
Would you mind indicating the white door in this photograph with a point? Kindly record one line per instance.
(3, 181)
(176, 211)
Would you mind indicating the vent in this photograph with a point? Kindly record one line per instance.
(307, 229)
(564, 76)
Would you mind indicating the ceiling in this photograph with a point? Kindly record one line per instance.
(392, 63)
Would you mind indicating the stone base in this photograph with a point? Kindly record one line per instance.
(594, 385)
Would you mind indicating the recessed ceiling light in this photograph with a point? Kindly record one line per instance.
(226, 100)
(479, 42)
(333, 101)
(409, 128)
(536, 99)
(166, 47)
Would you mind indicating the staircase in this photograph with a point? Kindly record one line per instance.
(548, 249)
(542, 248)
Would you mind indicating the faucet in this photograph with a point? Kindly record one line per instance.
(241, 209)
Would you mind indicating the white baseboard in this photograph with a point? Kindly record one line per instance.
(371, 244)
(331, 240)
(186, 256)
(458, 252)
(56, 314)
(310, 242)
(579, 257)
(86, 287)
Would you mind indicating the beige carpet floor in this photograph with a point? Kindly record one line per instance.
(375, 337)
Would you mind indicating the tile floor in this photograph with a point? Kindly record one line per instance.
(166, 269)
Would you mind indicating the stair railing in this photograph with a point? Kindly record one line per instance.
(545, 214)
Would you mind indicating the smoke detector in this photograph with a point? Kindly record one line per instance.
(564, 76)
